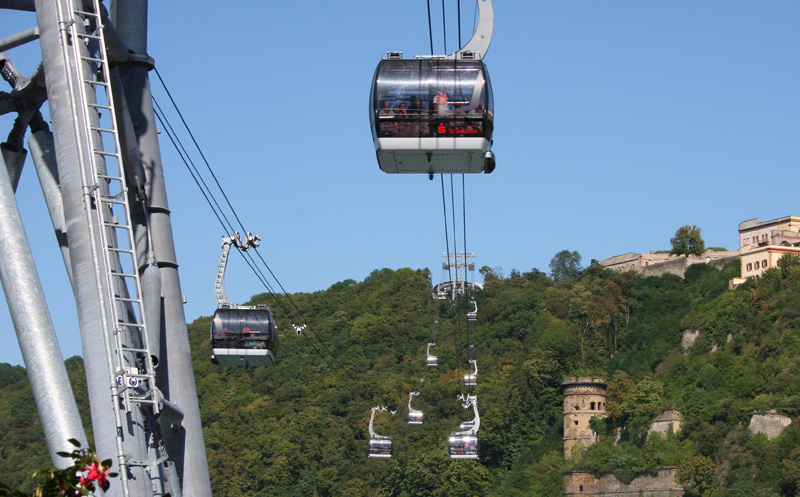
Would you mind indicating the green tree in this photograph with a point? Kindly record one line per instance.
(696, 474)
(565, 265)
(687, 241)
(619, 388)
(791, 471)
(491, 273)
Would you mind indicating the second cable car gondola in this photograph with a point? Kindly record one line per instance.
(473, 315)
(464, 444)
(471, 379)
(380, 446)
(431, 360)
(435, 114)
(241, 335)
(415, 416)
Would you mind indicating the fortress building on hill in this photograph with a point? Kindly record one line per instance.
(761, 246)
(584, 399)
(658, 264)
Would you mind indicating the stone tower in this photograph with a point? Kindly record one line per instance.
(584, 399)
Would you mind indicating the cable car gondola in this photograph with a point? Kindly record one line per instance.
(464, 444)
(380, 446)
(431, 361)
(415, 416)
(473, 315)
(241, 335)
(471, 379)
(435, 114)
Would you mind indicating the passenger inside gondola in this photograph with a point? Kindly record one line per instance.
(380, 448)
(463, 445)
(386, 110)
(419, 107)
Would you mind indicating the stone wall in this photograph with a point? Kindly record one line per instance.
(661, 264)
(669, 418)
(770, 423)
(675, 266)
(583, 483)
(579, 483)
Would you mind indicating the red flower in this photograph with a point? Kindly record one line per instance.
(96, 472)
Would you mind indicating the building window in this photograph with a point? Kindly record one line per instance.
(592, 406)
(749, 267)
(756, 264)
(764, 263)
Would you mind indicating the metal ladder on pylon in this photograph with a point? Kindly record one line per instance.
(131, 368)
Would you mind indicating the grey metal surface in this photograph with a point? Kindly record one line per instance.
(186, 446)
(50, 384)
(72, 150)
(482, 38)
(72, 175)
(44, 160)
(18, 39)
(14, 160)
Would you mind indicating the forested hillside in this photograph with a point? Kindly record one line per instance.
(300, 427)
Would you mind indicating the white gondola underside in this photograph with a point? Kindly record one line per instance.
(432, 155)
(244, 357)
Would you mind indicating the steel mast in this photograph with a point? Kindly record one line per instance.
(112, 222)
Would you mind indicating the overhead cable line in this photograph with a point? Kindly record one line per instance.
(430, 29)
(444, 28)
(458, 4)
(458, 316)
(188, 130)
(187, 160)
(228, 227)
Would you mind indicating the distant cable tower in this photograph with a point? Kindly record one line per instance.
(459, 263)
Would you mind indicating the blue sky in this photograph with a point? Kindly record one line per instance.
(616, 122)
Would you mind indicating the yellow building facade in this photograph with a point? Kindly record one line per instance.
(763, 243)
